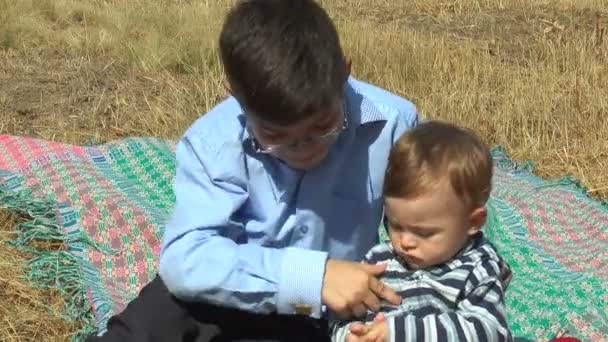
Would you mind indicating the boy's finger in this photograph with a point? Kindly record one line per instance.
(358, 310)
(372, 302)
(374, 269)
(384, 291)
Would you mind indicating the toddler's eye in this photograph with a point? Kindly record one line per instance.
(426, 235)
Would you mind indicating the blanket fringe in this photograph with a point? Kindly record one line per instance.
(57, 270)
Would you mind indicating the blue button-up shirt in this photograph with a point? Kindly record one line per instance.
(251, 233)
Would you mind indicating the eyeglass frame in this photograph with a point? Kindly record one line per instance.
(322, 139)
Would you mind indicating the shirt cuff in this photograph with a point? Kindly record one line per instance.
(302, 273)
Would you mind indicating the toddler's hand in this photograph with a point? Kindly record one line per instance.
(377, 331)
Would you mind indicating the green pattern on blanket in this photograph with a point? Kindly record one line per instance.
(108, 204)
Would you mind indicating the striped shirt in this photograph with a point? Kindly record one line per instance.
(461, 300)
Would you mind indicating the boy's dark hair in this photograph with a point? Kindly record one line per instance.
(438, 151)
(282, 58)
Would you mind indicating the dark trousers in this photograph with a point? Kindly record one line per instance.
(155, 315)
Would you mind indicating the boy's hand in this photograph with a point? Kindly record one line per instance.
(351, 289)
(374, 332)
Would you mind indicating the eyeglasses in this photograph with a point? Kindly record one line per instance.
(323, 139)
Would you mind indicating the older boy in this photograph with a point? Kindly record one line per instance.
(450, 277)
(278, 189)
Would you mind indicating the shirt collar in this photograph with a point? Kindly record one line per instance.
(360, 109)
(245, 136)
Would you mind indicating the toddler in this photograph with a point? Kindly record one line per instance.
(450, 278)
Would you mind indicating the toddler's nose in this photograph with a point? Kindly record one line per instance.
(408, 243)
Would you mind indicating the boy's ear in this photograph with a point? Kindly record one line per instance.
(227, 87)
(477, 220)
(349, 64)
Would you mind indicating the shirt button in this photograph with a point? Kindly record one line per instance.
(304, 229)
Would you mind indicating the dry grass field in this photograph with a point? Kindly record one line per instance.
(530, 75)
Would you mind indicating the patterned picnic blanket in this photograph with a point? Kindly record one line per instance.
(108, 204)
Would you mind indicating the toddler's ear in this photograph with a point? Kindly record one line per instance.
(477, 220)
(349, 63)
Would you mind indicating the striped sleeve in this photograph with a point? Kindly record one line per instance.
(479, 316)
